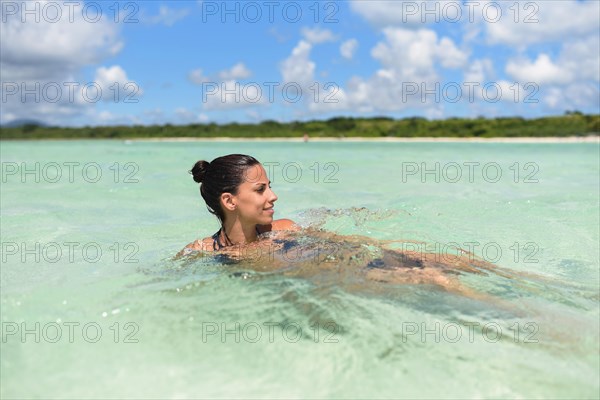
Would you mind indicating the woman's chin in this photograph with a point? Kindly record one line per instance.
(268, 220)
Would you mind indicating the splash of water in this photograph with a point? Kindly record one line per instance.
(318, 217)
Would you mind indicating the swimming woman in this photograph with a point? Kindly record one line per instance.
(237, 190)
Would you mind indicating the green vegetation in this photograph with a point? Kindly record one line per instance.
(570, 124)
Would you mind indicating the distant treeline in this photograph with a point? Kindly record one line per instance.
(570, 124)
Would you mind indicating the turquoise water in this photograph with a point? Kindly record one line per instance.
(94, 306)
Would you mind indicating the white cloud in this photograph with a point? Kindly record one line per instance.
(197, 76)
(238, 71)
(521, 22)
(559, 85)
(298, 67)
(568, 82)
(231, 94)
(106, 76)
(409, 61)
(412, 55)
(348, 48)
(280, 37)
(317, 35)
(449, 55)
(542, 21)
(479, 71)
(330, 97)
(7, 117)
(224, 91)
(554, 97)
(115, 85)
(582, 58)
(47, 49)
(575, 96)
(542, 71)
(581, 95)
(166, 16)
(320, 97)
(52, 54)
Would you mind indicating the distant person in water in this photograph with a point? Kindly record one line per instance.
(237, 190)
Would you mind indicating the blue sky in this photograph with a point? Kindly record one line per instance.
(181, 62)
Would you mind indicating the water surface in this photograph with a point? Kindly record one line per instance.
(118, 317)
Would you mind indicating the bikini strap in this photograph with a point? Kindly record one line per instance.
(217, 241)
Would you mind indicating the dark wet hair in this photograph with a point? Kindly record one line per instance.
(222, 175)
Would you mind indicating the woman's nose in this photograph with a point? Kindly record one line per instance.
(273, 197)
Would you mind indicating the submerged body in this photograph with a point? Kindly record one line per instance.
(345, 260)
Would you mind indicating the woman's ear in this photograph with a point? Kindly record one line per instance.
(228, 201)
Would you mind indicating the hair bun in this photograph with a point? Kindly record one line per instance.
(199, 170)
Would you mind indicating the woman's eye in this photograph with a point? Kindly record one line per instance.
(262, 189)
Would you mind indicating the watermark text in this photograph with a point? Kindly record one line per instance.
(68, 172)
(69, 252)
(69, 332)
(469, 171)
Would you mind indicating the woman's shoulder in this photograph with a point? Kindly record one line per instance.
(279, 225)
(284, 225)
(205, 244)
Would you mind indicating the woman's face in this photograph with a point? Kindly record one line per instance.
(255, 199)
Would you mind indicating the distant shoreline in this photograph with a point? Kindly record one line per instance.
(548, 139)
(573, 127)
(500, 139)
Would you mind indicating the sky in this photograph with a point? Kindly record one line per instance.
(92, 63)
